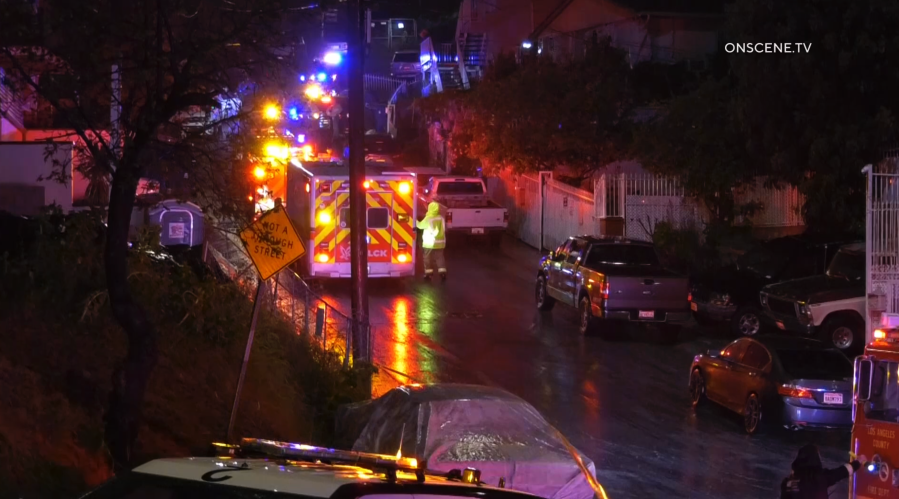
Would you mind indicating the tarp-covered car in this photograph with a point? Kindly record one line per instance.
(452, 426)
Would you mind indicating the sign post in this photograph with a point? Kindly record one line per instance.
(272, 243)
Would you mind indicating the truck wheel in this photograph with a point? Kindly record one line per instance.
(844, 333)
(588, 322)
(544, 301)
(747, 321)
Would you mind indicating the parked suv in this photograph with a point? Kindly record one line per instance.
(613, 279)
(406, 64)
(731, 293)
(831, 306)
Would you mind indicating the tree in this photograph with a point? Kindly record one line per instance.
(154, 60)
(541, 115)
(697, 140)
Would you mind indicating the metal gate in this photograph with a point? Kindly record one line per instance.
(882, 241)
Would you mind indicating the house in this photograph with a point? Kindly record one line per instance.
(663, 31)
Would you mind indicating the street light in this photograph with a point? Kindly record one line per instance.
(272, 112)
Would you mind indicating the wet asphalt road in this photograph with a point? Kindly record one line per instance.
(623, 403)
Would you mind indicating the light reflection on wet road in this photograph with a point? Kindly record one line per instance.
(623, 403)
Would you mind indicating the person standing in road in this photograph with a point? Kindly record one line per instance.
(809, 479)
(433, 227)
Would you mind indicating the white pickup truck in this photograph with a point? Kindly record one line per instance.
(466, 207)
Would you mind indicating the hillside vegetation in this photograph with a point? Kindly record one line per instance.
(59, 346)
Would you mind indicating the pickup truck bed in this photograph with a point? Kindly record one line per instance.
(466, 207)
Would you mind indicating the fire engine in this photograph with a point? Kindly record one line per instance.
(318, 202)
(875, 414)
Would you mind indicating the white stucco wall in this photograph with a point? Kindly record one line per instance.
(25, 163)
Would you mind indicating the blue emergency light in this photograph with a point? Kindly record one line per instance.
(322, 77)
(294, 114)
(301, 138)
(332, 58)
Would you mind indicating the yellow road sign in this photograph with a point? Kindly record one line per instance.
(272, 242)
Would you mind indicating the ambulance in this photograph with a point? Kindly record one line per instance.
(875, 414)
(318, 202)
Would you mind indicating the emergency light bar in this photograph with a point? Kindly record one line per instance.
(890, 335)
(300, 452)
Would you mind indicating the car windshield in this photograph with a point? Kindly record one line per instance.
(457, 188)
(849, 265)
(815, 364)
(406, 57)
(622, 254)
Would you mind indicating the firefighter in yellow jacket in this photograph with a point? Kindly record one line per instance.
(433, 227)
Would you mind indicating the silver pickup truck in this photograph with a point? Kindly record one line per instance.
(613, 279)
(466, 207)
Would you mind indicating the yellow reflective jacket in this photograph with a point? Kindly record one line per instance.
(433, 228)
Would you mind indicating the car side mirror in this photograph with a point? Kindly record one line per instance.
(864, 377)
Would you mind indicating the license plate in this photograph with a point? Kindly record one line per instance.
(647, 314)
(780, 325)
(477, 231)
(833, 398)
(694, 307)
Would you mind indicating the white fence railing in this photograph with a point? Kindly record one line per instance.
(882, 242)
(544, 211)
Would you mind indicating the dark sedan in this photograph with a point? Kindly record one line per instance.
(731, 293)
(795, 382)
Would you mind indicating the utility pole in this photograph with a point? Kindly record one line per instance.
(358, 229)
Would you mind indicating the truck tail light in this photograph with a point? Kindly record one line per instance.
(689, 296)
(794, 391)
(505, 217)
(449, 217)
(605, 290)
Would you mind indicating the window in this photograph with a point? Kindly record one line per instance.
(562, 251)
(577, 247)
(622, 254)
(849, 265)
(407, 57)
(344, 216)
(756, 356)
(884, 403)
(734, 351)
(460, 188)
(378, 218)
(815, 364)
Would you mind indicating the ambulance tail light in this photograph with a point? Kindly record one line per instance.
(322, 258)
(308, 188)
(403, 258)
(325, 186)
(795, 392)
(405, 188)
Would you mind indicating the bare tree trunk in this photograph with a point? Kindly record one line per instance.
(130, 379)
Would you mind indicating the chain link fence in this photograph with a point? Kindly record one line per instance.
(287, 294)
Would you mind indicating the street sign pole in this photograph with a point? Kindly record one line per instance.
(260, 293)
(272, 243)
(358, 242)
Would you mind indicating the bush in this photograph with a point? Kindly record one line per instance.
(60, 346)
